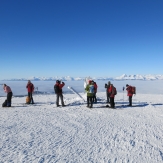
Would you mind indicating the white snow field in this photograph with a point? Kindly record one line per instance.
(44, 133)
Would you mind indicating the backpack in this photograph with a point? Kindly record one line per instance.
(28, 100)
(114, 91)
(4, 104)
(56, 89)
(133, 89)
(91, 89)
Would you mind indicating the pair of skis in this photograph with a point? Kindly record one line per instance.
(74, 91)
(86, 81)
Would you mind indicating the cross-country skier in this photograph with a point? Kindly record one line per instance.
(58, 91)
(90, 93)
(107, 92)
(8, 90)
(113, 92)
(30, 89)
(129, 93)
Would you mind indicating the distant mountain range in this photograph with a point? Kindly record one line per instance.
(68, 78)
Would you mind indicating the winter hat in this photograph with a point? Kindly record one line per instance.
(109, 82)
(89, 81)
(57, 81)
(127, 85)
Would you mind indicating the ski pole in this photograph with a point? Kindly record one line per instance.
(123, 95)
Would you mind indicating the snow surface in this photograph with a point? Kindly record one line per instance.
(44, 133)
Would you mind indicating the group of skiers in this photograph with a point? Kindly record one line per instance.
(111, 92)
(7, 89)
(91, 90)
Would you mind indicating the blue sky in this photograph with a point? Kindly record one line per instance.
(80, 38)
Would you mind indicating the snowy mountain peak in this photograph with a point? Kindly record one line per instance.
(69, 78)
(123, 76)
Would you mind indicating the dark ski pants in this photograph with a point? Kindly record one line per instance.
(112, 103)
(90, 101)
(130, 100)
(30, 96)
(9, 96)
(108, 97)
(94, 98)
(57, 99)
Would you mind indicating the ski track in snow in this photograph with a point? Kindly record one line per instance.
(44, 133)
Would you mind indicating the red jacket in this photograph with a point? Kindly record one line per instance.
(129, 91)
(95, 86)
(111, 91)
(30, 87)
(60, 87)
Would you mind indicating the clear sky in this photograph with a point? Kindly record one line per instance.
(98, 38)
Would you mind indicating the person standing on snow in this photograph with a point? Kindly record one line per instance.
(113, 92)
(129, 93)
(58, 91)
(30, 89)
(95, 91)
(90, 93)
(8, 90)
(107, 86)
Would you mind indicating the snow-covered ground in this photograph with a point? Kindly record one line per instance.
(43, 133)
